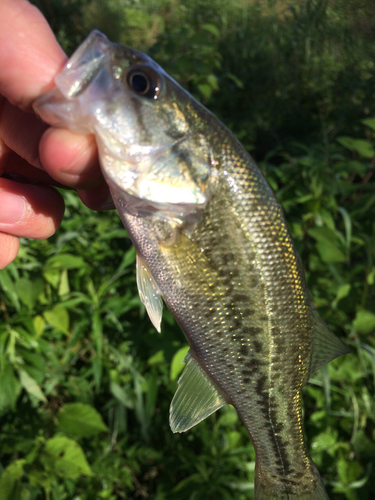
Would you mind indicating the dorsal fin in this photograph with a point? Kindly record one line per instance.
(196, 398)
(149, 293)
(326, 346)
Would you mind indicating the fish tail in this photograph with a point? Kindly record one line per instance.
(265, 489)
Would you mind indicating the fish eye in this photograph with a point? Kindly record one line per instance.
(144, 81)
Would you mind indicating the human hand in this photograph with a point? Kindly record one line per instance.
(30, 58)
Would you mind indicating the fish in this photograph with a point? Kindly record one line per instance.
(212, 243)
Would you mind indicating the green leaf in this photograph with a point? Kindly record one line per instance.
(66, 457)
(129, 257)
(212, 80)
(65, 261)
(363, 446)
(121, 395)
(64, 283)
(80, 420)
(228, 418)
(205, 90)
(58, 317)
(362, 147)
(364, 322)
(177, 366)
(234, 439)
(9, 288)
(40, 478)
(28, 291)
(157, 358)
(10, 481)
(371, 277)
(324, 234)
(52, 276)
(347, 224)
(211, 28)
(236, 80)
(329, 252)
(343, 291)
(369, 122)
(10, 388)
(355, 166)
(325, 441)
(349, 470)
(39, 325)
(31, 386)
(329, 245)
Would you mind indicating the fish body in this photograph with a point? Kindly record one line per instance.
(212, 241)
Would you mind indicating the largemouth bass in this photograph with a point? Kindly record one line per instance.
(212, 242)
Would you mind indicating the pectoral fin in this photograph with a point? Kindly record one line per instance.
(326, 346)
(149, 293)
(196, 398)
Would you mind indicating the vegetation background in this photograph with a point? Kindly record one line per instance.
(85, 380)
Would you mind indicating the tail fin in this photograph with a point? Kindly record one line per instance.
(279, 490)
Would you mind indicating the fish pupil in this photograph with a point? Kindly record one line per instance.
(144, 81)
(139, 83)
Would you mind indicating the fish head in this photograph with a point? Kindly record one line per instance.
(152, 139)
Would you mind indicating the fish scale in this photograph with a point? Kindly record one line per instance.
(212, 241)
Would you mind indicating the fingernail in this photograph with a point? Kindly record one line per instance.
(12, 207)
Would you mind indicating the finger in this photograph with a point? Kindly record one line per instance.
(30, 56)
(98, 198)
(21, 132)
(30, 211)
(19, 170)
(16, 168)
(59, 147)
(70, 158)
(10, 246)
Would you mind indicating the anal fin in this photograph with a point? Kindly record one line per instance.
(149, 293)
(196, 398)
